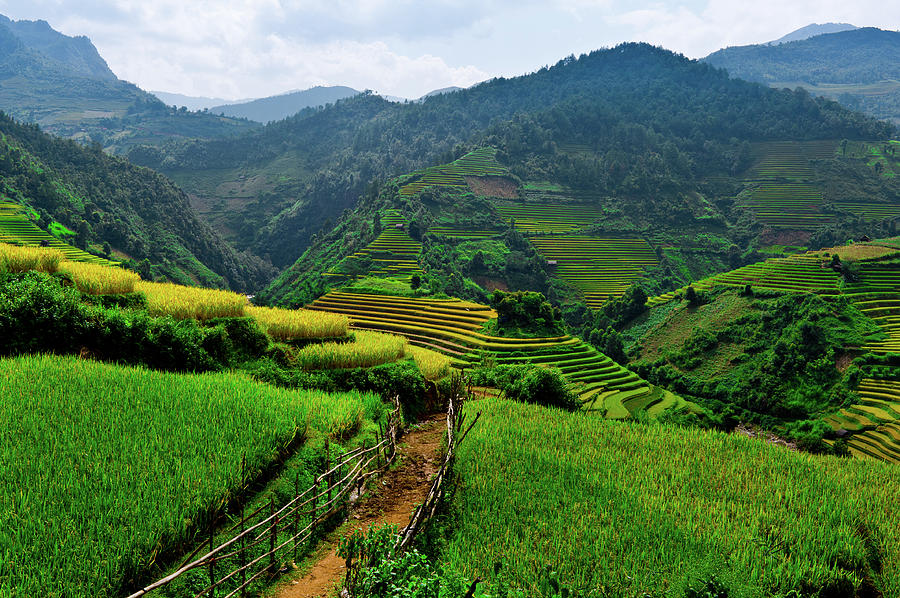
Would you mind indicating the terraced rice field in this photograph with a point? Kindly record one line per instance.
(600, 268)
(877, 294)
(452, 327)
(17, 229)
(394, 253)
(461, 232)
(548, 218)
(789, 159)
(784, 198)
(478, 163)
(806, 273)
(788, 205)
(875, 421)
(870, 211)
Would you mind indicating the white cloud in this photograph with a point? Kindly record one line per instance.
(697, 32)
(252, 48)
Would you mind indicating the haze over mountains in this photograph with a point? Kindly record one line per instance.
(812, 30)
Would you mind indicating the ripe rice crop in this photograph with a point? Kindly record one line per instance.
(543, 490)
(14, 258)
(432, 364)
(180, 302)
(367, 350)
(104, 467)
(290, 324)
(94, 279)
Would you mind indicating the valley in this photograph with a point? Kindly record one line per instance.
(644, 314)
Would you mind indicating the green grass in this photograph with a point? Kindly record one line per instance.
(105, 467)
(623, 509)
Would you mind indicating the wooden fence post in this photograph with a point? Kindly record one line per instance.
(315, 501)
(273, 538)
(212, 562)
(296, 514)
(243, 556)
(327, 467)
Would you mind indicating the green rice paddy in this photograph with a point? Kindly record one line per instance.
(598, 267)
(452, 327)
(106, 467)
(393, 253)
(478, 163)
(16, 228)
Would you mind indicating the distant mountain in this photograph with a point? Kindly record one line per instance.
(437, 92)
(641, 109)
(811, 31)
(860, 68)
(64, 85)
(279, 107)
(191, 102)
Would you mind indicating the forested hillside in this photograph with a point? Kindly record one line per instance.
(652, 121)
(110, 207)
(859, 68)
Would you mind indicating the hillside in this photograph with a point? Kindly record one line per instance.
(109, 207)
(858, 68)
(63, 84)
(270, 191)
(281, 106)
(805, 345)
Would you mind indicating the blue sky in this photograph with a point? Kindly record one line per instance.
(253, 48)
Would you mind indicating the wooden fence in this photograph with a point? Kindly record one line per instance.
(269, 536)
(455, 435)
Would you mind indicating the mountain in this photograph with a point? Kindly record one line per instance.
(273, 108)
(436, 92)
(63, 84)
(652, 119)
(106, 205)
(859, 68)
(190, 102)
(76, 53)
(812, 30)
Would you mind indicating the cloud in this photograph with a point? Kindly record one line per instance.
(252, 48)
(700, 30)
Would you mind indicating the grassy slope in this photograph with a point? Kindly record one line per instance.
(107, 466)
(625, 509)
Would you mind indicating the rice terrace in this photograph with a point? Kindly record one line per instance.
(627, 325)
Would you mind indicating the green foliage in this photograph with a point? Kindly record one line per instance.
(41, 313)
(379, 570)
(528, 383)
(776, 359)
(526, 312)
(401, 379)
(609, 342)
(621, 310)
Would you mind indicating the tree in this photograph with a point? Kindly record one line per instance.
(691, 296)
(415, 282)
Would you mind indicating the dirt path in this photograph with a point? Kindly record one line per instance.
(397, 494)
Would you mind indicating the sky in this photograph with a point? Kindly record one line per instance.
(236, 49)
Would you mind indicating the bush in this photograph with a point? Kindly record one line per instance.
(528, 383)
